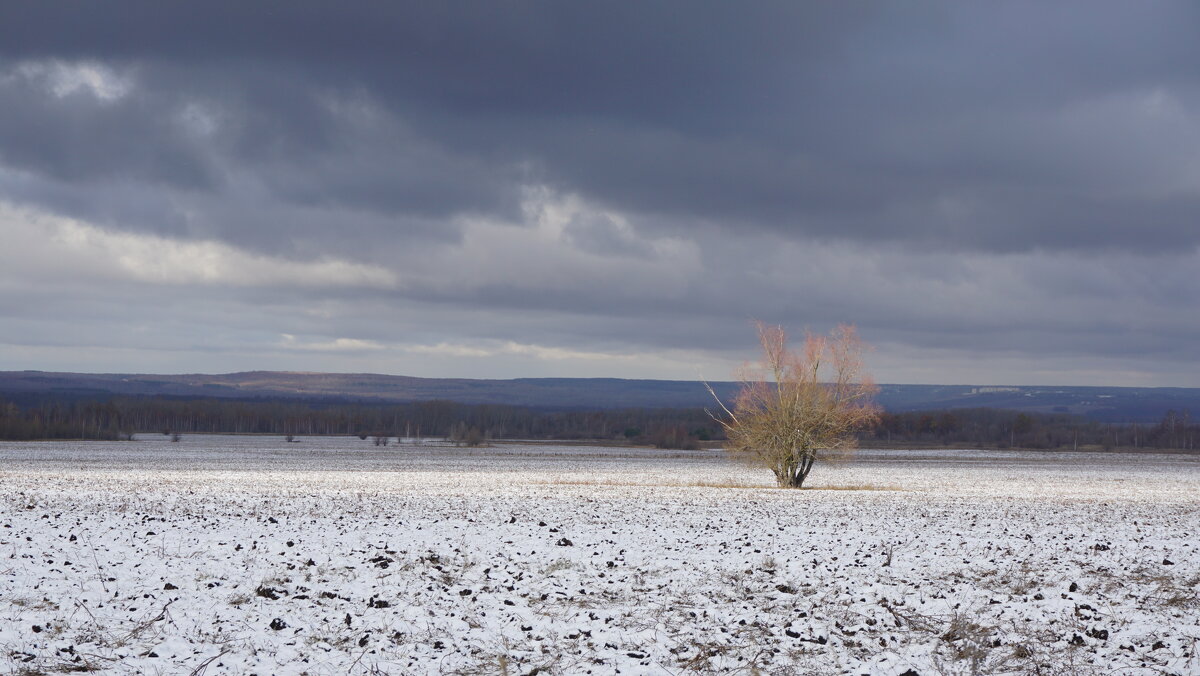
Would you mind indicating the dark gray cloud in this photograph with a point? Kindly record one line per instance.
(1003, 177)
(865, 121)
(76, 136)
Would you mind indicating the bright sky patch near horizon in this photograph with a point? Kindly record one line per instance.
(993, 193)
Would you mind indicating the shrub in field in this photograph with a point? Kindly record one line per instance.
(797, 404)
(463, 435)
(675, 438)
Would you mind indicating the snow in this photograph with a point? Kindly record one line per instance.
(222, 554)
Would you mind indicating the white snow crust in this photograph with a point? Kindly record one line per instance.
(250, 555)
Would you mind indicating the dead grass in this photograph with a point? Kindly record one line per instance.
(1165, 590)
(713, 484)
(653, 484)
(855, 487)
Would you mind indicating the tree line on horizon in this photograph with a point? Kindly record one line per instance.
(111, 418)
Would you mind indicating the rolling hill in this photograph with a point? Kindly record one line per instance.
(1120, 404)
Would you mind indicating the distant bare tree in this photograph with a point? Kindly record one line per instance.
(798, 405)
(476, 437)
(463, 435)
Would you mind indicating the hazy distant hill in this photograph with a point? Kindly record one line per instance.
(1115, 404)
(535, 392)
(1104, 403)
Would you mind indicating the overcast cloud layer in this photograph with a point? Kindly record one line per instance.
(1000, 193)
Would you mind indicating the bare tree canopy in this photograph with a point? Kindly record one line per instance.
(795, 405)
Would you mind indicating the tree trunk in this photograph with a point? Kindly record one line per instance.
(795, 470)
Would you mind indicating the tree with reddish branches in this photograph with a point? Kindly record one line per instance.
(794, 407)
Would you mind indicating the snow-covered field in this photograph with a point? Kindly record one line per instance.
(251, 555)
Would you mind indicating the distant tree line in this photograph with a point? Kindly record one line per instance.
(116, 417)
(61, 420)
(999, 428)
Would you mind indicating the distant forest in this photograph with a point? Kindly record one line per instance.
(46, 417)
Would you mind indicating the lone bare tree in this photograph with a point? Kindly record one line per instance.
(796, 405)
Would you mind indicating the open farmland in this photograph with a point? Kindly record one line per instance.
(251, 555)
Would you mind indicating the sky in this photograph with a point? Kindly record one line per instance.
(993, 193)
